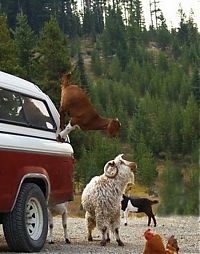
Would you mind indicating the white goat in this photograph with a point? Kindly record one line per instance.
(60, 209)
(101, 198)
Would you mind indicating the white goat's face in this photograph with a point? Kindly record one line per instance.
(120, 166)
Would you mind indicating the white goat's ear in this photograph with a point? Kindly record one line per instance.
(110, 169)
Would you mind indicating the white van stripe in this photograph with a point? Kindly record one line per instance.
(29, 144)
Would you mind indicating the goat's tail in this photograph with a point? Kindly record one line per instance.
(154, 202)
(65, 80)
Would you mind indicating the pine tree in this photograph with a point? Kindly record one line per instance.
(196, 85)
(190, 125)
(115, 69)
(9, 58)
(96, 63)
(146, 163)
(175, 129)
(53, 59)
(83, 78)
(163, 35)
(24, 39)
(113, 35)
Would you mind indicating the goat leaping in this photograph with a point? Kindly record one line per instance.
(138, 205)
(102, 195)
(59, 209)
(82, 113)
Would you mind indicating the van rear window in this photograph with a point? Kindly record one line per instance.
(17, 108)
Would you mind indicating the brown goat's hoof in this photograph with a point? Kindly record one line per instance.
(59, 139)
(120, 243)
(103, 243)
(67, 241)
(125, 224)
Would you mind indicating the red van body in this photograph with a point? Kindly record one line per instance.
(35, 169)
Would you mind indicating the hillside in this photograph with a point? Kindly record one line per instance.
(148, 79)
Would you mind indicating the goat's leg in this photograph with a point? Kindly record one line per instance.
(103, 226)
(119, 241)
(151, 215)
(149, 220)
(108, 238)
(154, 220)
(64, 223)
(50, 218)
(115, 228)
(62, 118)
(63, 134)
(126, 217)
(91, 224)
(105, 233)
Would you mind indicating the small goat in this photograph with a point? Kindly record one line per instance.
(82, 113)
(102, 196)
(59, 209)
(138, 205)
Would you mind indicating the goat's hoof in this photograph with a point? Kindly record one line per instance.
(103, 243)
(67, 241)
(51, 242)
(59, 139)
(108, 240)
(120, 243)
(90, 239)
(125, 224)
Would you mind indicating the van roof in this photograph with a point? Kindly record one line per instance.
(20, 85)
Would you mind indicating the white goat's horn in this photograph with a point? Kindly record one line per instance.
(110, 169)
(118, 157)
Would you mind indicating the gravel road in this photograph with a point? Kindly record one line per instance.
(185, 229)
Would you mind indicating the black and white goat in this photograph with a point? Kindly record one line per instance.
(138, 205)
(59, 209)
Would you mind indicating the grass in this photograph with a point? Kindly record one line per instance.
(75, 209)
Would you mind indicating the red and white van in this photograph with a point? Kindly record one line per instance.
(35, 169)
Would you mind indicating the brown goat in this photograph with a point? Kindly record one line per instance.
(82, 113)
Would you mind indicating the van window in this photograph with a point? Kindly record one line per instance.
(36, 113)
(24, 110)
(11, 107)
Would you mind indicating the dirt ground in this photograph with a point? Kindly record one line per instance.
(185, 229)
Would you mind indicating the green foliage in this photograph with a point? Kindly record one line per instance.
(113, 34)
(180, 191)
(97, 150)
(9, 60)
(96, 63)
(146, 163)
(190, 125)
(196, 85)
(114, 70)
(149, 79)
(52, 59)
(24, 39)
(83, 78)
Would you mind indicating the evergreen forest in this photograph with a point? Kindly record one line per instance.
(148, 78)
